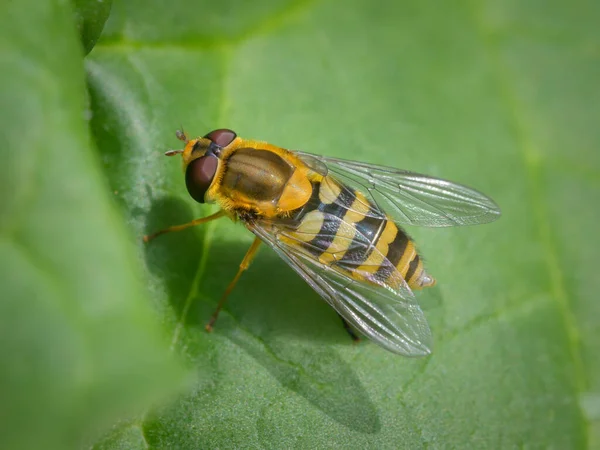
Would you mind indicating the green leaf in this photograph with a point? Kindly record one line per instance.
(498, 95)
(90, 17)
(80, 346)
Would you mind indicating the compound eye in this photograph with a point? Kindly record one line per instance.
(222, 137)
(199, 175)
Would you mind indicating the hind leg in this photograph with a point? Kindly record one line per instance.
(355, 337)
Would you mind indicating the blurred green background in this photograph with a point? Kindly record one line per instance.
(101, 339)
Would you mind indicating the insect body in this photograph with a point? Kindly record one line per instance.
(336, 222)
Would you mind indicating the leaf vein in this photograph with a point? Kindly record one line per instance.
(266, 26)
(210, 227)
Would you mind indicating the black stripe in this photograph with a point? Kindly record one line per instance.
(312, 203)
(396, 249)
(341, 204)
(329, 228)
(411, 268)
(370, 229)
(320, 243)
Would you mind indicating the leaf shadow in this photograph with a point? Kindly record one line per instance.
(173, 257)
(272, 315)
(318, 374)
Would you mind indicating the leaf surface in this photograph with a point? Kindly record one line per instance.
(80, 345)
(501, 96)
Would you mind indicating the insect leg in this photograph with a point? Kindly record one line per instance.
(355, 337)
(214, 216)
(243, 266)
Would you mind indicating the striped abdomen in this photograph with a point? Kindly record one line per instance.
(343, 229)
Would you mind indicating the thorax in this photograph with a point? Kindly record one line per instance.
(268, 181)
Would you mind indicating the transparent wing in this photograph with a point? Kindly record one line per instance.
(388, 315)
(408, 197)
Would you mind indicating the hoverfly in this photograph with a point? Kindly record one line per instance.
(336, 223)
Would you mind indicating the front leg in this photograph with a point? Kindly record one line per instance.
(218, 214)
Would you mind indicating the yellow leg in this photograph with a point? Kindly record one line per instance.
(214, 216)
(243, 266)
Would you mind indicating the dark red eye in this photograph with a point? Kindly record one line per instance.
(199, 175)
(222, 137)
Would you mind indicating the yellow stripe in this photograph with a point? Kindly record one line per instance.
(340, 244)
(329, 190)
(328, 193)
(407, 257)
(380, 251)
(310, 226)
(416, 275)
(360, 207)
